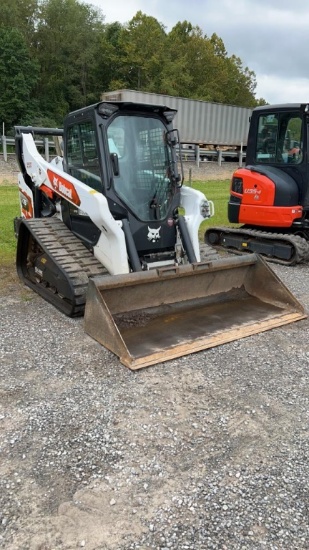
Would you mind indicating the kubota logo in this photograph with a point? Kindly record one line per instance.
(63, 187)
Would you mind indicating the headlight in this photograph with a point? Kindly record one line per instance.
(204, 209)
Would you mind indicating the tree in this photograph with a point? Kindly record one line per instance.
(21, 15)
(176, 76)
(107, 69)
(18, 77)
(63, 56)
(67, 47)
(203, 68)
(261, 101)
(142, 52)
(239, 83)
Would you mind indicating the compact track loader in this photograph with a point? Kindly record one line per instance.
(109, 230)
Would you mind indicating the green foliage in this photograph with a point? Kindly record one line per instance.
(21, 15)
(9, 209)
(142, 52)
(218, 192)
(59, 55)
(18, 76)
(67, 47)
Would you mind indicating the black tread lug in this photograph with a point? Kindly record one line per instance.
(69, 255)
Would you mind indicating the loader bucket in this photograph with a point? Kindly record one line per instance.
(153, 316)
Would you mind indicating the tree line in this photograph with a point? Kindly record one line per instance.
(59, 55)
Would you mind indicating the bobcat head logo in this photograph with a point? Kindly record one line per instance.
(153, 234)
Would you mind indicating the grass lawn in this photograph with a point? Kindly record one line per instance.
(9, 209)
(217, 191)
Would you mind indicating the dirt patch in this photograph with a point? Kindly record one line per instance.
(9, 281)
(8, 171)
(8, 179)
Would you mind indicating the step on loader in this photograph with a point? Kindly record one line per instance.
(109, 231)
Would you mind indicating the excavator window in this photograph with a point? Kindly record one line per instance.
(279, 138)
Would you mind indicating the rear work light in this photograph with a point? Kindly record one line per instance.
(237, 185)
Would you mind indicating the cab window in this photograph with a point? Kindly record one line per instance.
(82, 154)
(279, 139)
(143, 183)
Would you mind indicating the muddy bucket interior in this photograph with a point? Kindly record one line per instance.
(149, 317)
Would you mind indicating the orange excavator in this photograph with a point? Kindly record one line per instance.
(269, 197)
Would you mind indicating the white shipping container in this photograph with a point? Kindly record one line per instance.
(198, 122)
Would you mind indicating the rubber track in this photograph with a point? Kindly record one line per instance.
(71, 255)
(299, 244)
(208, 253)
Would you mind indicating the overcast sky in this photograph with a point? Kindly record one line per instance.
(271, 37)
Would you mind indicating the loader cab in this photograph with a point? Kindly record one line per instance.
(144, 179)
(126, 151)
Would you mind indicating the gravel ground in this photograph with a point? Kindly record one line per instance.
(8, 169)
(209, 451)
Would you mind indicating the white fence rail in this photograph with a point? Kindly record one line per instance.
(45, 143)
(187, 152)
(194, 153)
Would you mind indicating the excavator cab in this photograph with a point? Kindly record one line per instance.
(279, 138)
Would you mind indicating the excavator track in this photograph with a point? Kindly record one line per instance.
(53, 262)
(279, 248)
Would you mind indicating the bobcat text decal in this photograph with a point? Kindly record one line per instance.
(63, 187)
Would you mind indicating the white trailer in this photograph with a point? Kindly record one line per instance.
(201, 123)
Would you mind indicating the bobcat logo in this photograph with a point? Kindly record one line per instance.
(153, 234)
